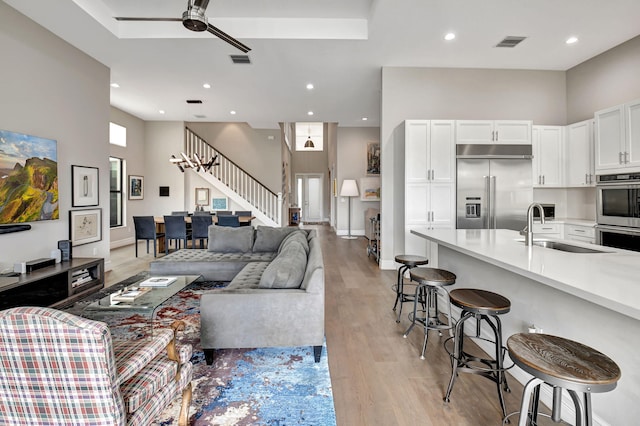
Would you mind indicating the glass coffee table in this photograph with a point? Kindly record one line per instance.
(145, 305)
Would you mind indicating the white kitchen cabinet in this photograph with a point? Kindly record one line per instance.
(617, 144)
(515, 132)
(548, 230)
(548, 159)
(429, 179)
(579, 161)
(586, 234)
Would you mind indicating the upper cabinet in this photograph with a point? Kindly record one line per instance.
(430, 151)
(514, 132)
(579, 162)
(617, 144)
(548, 159)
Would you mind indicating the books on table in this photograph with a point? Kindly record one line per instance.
(127, 294)
(158, 281)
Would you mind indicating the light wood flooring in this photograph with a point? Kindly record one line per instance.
(377, 376)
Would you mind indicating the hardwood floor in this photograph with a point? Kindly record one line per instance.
(377, 376)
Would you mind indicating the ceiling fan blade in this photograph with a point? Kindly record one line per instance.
(226, 37)
(129, 18)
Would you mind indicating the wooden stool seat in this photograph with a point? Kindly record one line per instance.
(563, 364)
(484, 306)
(430, 280)
(408, 261)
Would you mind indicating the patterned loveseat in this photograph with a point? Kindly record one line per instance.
(275, 296)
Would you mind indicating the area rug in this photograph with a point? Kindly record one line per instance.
(264, 386)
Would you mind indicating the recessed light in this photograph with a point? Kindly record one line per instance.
(232, 112)
(161, 111)
(572, 40)
(310, 113)
(115, 85)
(309, 86)
(206, 86)
(449, 36)
(364, 118)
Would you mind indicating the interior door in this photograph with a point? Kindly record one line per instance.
(309, 194)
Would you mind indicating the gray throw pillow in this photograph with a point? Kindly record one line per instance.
(269, 238)
(299, 236)
(230, 240)
(286, 270)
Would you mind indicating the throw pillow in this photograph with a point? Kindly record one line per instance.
(286, 270)
(230, 240)
(299, 236)
(269, 238)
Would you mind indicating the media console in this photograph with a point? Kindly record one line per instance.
(55, 286)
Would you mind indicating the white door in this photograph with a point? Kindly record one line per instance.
(309, 194)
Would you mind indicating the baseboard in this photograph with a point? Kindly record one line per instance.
(121, 243)
(354, 232)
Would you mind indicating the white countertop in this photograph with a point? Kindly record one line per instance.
(610, 279)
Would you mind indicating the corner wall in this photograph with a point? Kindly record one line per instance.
(53, 90)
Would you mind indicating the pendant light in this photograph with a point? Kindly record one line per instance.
(309, 142)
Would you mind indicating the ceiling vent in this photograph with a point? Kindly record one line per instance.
(240, 59)
(194, 101)
(510, 41)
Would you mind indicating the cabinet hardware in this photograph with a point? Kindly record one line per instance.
(626, 157)
(579, 230)
(543, 179)
(620, 158)
(586, 178)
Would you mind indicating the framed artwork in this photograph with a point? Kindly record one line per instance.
(84, 186)
(220, 203)
(85, 226)
(136, 187)
(373, 159)
(202, 196)
(370, 189)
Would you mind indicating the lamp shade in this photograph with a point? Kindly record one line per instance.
(349, 188)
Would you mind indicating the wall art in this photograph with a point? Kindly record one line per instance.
(136, 187)
(85, 226)
(84, 186)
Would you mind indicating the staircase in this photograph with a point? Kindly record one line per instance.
(235, 183)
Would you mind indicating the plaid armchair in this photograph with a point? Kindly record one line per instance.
(58, 368)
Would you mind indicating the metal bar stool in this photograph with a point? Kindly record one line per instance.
(562, 364)
(429, 280)
(408, 261)
(483, 306)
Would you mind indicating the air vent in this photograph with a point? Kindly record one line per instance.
(240, 59)
(194, 101)
(510, 41)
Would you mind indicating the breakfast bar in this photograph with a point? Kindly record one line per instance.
(591, 295)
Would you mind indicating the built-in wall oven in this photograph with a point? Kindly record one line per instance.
(618, 211)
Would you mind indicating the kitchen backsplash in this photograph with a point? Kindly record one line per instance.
(575, 203)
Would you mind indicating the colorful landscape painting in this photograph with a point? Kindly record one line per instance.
(28, 178)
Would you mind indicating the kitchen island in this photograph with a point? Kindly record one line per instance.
(593, 298)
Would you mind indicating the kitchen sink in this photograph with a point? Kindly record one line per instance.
(557, 245)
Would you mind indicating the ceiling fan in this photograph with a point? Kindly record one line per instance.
(194, 19)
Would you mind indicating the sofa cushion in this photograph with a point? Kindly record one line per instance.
(269, 238)
(230, 240)
(287, 269)
(299, 236)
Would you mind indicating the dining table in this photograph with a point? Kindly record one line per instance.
(159, 221)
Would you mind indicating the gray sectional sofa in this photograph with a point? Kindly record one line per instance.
(276, 292)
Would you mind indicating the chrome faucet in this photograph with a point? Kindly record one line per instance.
(528, 230)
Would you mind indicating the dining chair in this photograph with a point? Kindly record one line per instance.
(175, 228)
(145, 227)
(179, 213)
(223, 212)
(229, 220)
(200, 229)
(240, 213)
(202, 213)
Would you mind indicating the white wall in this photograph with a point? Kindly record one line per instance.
(51, 89)
(352, 164)
(446, 93)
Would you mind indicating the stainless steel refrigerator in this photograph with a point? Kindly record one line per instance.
(494, 186)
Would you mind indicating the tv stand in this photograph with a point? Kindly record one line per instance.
(55, 286)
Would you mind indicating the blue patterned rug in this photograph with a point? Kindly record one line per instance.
(265, 386)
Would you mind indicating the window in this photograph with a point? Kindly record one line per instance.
(309, 136)
(116, 191)
(117, 134)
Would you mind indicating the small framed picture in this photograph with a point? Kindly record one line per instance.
(84, 186)
(85, 226)
(202, 196)
(136, 187)
(370, 189)
(373, 159)
(219, 203)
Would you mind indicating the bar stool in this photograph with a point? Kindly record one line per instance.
(487, 306)
(429, 280)
(408, 261)
(562, 364)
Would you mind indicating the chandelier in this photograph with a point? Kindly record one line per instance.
(193, 163)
